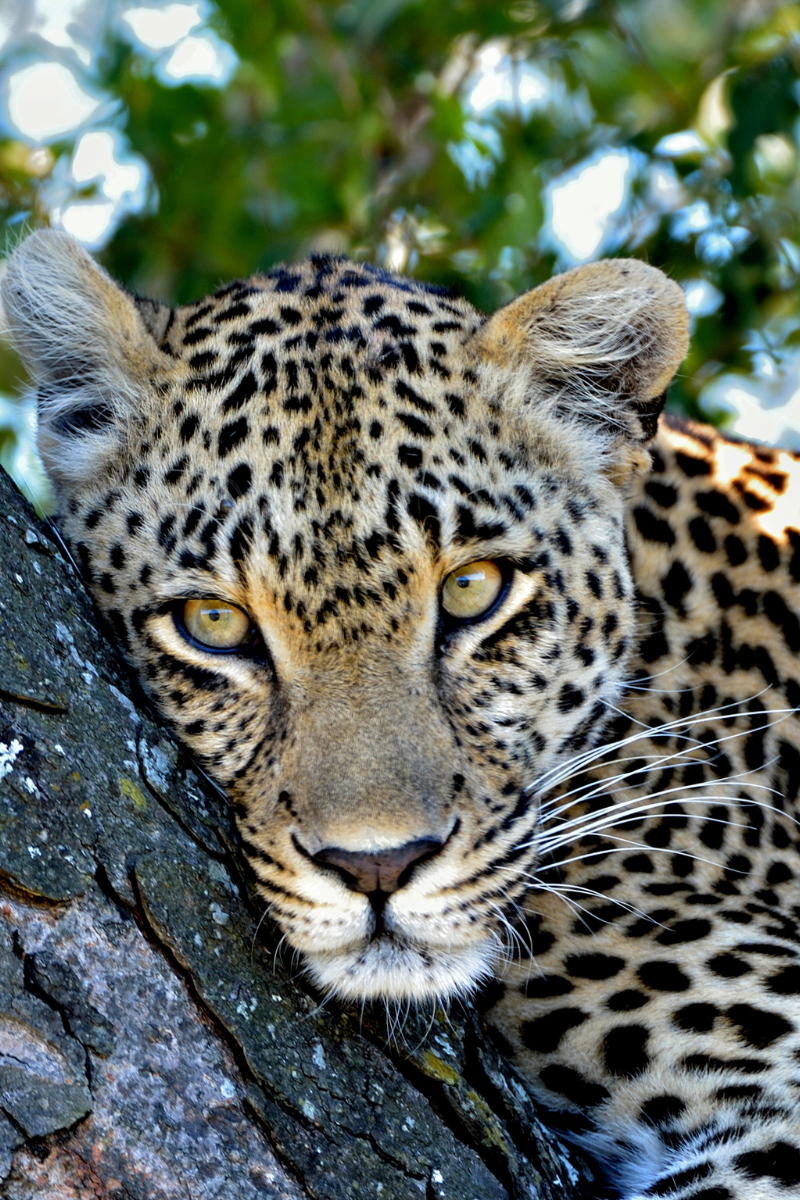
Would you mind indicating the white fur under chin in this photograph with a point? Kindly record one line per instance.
(389, 970)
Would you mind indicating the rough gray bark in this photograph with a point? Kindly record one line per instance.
(150, 1045)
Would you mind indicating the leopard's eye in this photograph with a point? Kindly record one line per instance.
(471, 591)
(216, 623)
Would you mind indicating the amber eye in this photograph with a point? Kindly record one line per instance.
(471, 591)
(216, 623)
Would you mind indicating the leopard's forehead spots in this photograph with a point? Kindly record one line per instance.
(322, 437)
(316, 376)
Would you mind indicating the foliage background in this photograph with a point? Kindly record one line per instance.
(482, 144)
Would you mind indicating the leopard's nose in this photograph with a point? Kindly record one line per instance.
(384, 871)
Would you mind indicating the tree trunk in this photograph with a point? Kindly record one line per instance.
(151, 1046)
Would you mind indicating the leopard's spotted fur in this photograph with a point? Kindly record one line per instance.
(602, 772)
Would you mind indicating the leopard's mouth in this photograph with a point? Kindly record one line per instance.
(390, 968)
(412, 945)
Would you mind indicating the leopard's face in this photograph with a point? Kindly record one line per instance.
(366, 551)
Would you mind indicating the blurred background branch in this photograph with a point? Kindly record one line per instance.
(475, 143)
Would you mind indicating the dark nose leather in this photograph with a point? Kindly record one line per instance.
(379, 872)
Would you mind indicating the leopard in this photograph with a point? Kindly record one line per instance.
(495, 660)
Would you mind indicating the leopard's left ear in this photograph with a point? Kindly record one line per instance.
(594, 348)
(91, 348)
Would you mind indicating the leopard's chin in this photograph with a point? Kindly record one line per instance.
(391, 970)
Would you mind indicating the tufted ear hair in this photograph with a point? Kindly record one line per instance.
(594, 348)
(90, 347)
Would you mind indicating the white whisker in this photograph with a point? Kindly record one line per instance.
(562, 771)
(602, 785)
(626, 847)
(587, 824)
(555, 889)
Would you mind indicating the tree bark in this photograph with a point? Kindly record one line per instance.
(151, 1045)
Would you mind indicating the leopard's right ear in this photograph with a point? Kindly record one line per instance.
(91, 349)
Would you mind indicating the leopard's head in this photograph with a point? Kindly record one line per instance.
(365, 548)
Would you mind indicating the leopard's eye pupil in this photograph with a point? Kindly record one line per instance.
(472, 591)
(216, 624)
